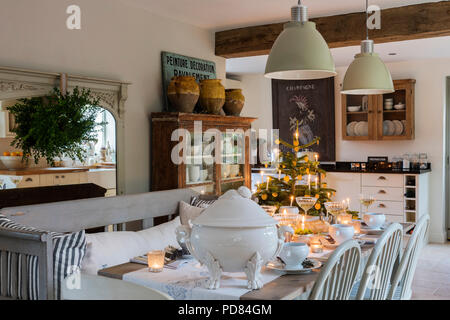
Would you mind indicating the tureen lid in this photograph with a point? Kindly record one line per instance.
(234, 211)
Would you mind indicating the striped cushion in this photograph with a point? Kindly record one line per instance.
(198, 202)
(68, 252)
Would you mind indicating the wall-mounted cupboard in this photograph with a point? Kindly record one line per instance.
(380, 117)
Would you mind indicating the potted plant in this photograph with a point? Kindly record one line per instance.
(56, 125)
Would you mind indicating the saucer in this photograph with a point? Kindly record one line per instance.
(279, 266)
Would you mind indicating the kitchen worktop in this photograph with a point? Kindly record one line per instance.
(31, 171)
(346, 167)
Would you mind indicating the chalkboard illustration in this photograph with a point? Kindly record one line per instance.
(308, 105)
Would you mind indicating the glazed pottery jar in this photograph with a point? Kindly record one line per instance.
(234, 234)
(183, 93)
(234, 102)
(212, 95)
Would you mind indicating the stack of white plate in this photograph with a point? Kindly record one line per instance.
(358, 128)
(393, 128)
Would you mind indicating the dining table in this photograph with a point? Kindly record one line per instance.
(188, 282)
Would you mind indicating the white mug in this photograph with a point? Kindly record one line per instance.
(341, 232)
(293, 254)
(194, 173)
(374, 220)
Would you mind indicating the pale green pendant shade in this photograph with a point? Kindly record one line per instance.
(367, 74)
(300, 52)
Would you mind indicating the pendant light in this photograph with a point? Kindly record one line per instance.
(300, 52)
(367, 74)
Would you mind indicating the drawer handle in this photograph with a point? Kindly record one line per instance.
(62, 177)
(382, 192)
(56, 177)
(381, 205)
(382, 178)
(28, 179)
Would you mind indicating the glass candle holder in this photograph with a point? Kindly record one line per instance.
(155, 260)
(357, 226)
(315, 244)
(344, 218)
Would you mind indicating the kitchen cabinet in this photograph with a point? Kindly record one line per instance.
(402, 197)
(200, 171)
(6, 124)
(374, 121)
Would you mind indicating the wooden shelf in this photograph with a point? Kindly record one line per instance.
(376, 115)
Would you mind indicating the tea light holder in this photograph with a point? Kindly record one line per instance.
(357, 226)
(315, 244)
(155, 260)
(344, 218)
(287, 219)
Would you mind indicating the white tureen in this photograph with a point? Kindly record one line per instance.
(233, 235)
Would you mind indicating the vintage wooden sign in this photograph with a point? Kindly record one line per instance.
(177, 65)
(311, 104)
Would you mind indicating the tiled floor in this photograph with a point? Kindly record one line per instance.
(432, 278)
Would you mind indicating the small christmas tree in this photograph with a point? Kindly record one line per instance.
(282, 190)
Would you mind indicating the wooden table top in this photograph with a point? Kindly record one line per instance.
(31, 171)
(285, 287)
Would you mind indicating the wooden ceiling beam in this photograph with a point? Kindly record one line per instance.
(419, 21)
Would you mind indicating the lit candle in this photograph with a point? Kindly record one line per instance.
(316, 156)
(317, 183)
(309, 182)
(292, 200)
(262, 176)
(296, 135)
(155, 260)
(268, 181)
(316, 245)
(303, 222)
(279, 174)
(344, 218)
(348, 203)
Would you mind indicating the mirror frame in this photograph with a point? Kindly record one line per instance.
(21, 83)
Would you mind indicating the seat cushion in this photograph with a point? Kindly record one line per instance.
(68, 252)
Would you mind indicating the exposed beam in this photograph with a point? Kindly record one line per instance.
(419, 21)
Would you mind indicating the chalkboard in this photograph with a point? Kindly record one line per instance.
(177, 65)
(311, 103)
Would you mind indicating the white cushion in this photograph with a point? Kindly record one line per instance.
(189, 213)
(107, 249)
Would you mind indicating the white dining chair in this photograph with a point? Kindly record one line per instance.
(337, 277)
(376, 278)
(101, 288)
(403, 276)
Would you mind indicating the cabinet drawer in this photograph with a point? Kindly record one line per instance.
(382, 180)
(59, 179)
(29, 181)
(384, 193)
(387, 207)
(392, 218)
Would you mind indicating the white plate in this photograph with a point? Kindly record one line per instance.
(278, 266)
(364, 128)
(351, 128)
(358, 128)
(388, 128)
(398, 127)
(404, 126)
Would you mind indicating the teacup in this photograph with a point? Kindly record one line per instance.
(374, 220)
(293, 254)
(341, 232)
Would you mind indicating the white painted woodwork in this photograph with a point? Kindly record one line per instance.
(70, 216)
(382, 180)
(104, 178)
(389, 191)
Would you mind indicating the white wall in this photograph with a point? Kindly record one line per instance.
(429, 121)
(116, 41)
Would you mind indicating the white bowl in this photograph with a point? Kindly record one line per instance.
(13, 162)
(399, 107)
(374, 220)
(353, 108)
(294, 253)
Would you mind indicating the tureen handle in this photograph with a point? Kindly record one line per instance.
(281, 237)
(184, 236)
